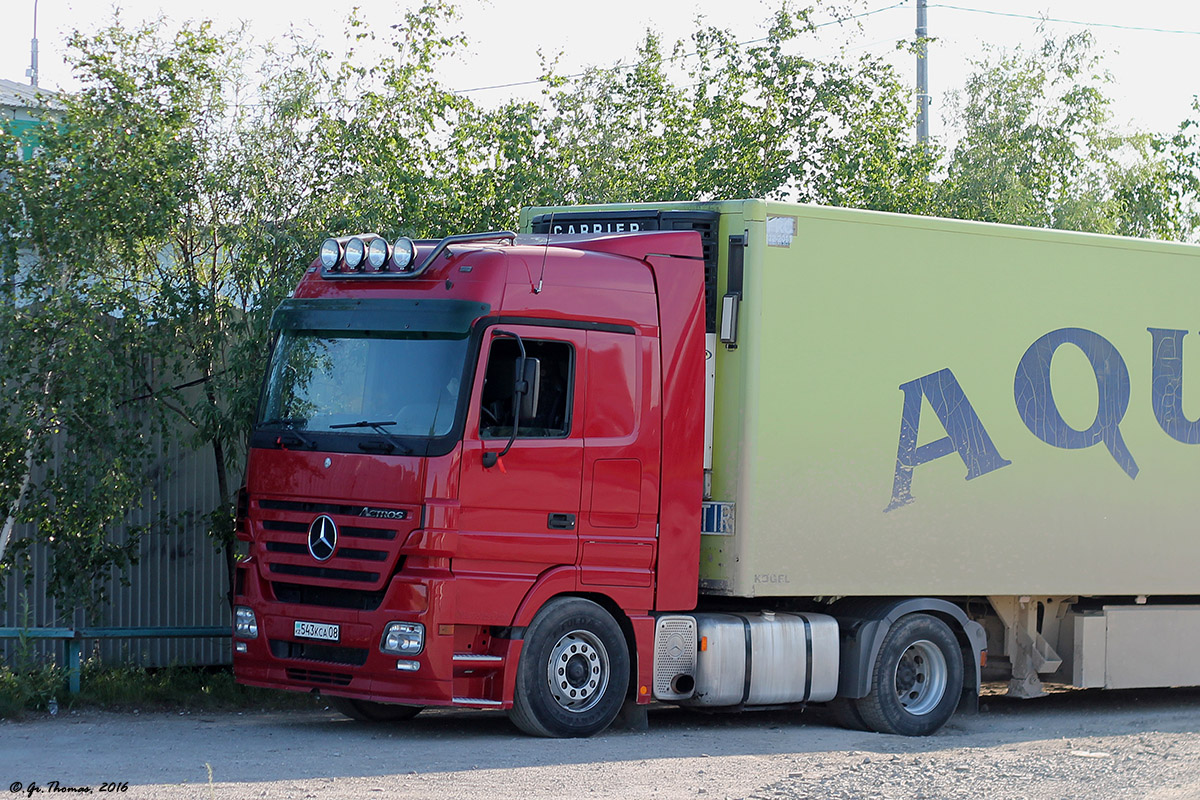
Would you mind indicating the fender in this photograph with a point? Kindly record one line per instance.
(552, 582)
(638, 627)
(864, 622)
(622, 601)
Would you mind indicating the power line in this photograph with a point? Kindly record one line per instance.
(1066, 21)
(620, 68)
(623, 67)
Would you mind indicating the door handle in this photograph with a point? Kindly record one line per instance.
(560, 522)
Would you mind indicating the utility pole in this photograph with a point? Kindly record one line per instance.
(922, 75)
(32, 72)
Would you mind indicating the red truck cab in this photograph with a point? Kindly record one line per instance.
(476, 474)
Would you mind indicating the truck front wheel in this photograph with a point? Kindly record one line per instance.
(366, 711)
(573, 671)
(917, 681)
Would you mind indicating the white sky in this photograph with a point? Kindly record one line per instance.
(1156, 74)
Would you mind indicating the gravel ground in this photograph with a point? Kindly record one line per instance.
(1091, 745)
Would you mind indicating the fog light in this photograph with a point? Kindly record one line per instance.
(240, 647)
(244, 623)
(404, 638)
(408, 666)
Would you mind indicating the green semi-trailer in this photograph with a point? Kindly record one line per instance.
(992, 415)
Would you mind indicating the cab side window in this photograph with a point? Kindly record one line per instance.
(552, 370)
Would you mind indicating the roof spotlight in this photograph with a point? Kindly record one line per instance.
(331, 253)
(404, 252)
(377, 253)
(356, 248)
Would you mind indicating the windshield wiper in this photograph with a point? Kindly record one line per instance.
(293, 438)
(365, 424)
(289, 421)
(378, 427)
(290, 434)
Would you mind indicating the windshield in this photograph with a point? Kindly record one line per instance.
(404, 386)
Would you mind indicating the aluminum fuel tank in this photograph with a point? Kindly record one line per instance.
(764, 658)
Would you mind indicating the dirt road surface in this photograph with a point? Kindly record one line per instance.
(1093, 745)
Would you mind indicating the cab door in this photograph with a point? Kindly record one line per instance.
(520, 517)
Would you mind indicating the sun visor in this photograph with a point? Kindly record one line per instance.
(446, 316)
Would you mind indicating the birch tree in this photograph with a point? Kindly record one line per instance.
(75, 333)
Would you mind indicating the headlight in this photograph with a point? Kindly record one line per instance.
(356, 248)
(377, 253)
(331, 253)
(403, 253)
(404, 638)
(244, 623)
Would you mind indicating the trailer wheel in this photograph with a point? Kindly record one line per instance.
(917, 681)
(573, 671)
(366, 711)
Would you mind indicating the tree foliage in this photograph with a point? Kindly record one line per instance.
(144, 251)
(73, 340)
(1039, 148)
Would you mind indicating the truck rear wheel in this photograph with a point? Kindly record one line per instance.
(917, 681)
(573, 671)
(366, 711)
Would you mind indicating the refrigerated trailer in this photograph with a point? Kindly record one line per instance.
(727, 455)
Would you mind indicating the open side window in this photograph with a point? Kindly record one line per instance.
(549, 377)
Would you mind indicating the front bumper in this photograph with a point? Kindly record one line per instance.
(354, 666)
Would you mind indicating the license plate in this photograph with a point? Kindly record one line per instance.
(317, 630)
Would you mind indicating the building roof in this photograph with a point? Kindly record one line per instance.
(22, 95)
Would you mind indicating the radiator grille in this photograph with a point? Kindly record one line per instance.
(306, 651)
(325, 573)
(367, 552)
(326, 596)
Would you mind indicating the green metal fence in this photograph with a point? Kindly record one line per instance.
(73, 639)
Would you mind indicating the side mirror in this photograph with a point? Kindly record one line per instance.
(529, 384)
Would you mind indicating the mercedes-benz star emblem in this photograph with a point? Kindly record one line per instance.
(322, 538)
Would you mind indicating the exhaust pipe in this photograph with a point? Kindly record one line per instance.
(683, 685)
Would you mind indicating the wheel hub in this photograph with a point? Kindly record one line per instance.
(578, 671)
(921, 676)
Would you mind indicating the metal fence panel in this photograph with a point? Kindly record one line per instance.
(179, 580)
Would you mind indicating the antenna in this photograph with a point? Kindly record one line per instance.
(545, 250)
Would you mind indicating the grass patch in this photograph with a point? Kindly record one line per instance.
(129, 688)
(29, 688)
